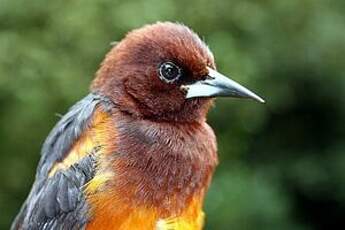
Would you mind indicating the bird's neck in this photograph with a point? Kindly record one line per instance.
(157, 171)
(163, 164)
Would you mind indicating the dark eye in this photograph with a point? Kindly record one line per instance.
(169, 72)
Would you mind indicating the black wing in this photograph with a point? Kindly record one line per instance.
(57, 202)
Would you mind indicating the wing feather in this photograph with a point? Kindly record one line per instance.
(57, 201)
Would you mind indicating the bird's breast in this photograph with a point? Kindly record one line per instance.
(156, 178)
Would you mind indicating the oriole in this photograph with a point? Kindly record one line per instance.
(136, 153)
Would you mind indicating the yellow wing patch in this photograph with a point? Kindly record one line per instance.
(97, 182)
(96, 136)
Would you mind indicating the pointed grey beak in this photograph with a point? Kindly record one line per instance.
(217, 85)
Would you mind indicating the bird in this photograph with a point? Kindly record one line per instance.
(136, 152)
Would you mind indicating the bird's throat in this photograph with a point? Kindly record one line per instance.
(162, 169)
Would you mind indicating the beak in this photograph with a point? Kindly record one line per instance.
(217, 84)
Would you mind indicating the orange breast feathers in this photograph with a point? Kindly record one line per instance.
(113, 207)
(147, 186)
(115, 214)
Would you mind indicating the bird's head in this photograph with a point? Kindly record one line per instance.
(164, 71)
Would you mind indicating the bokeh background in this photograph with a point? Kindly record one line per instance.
(282, 164)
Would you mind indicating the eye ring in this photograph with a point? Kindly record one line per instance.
(169, 72)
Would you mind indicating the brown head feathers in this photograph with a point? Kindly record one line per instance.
(131, 74)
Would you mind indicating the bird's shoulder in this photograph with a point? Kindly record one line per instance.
(73, 130)
(68, 162)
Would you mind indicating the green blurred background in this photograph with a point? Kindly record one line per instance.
(282, 164)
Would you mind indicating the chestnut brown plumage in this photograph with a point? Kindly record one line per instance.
(129, 73)
(140, 138)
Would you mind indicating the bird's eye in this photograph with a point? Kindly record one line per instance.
(169, 72)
